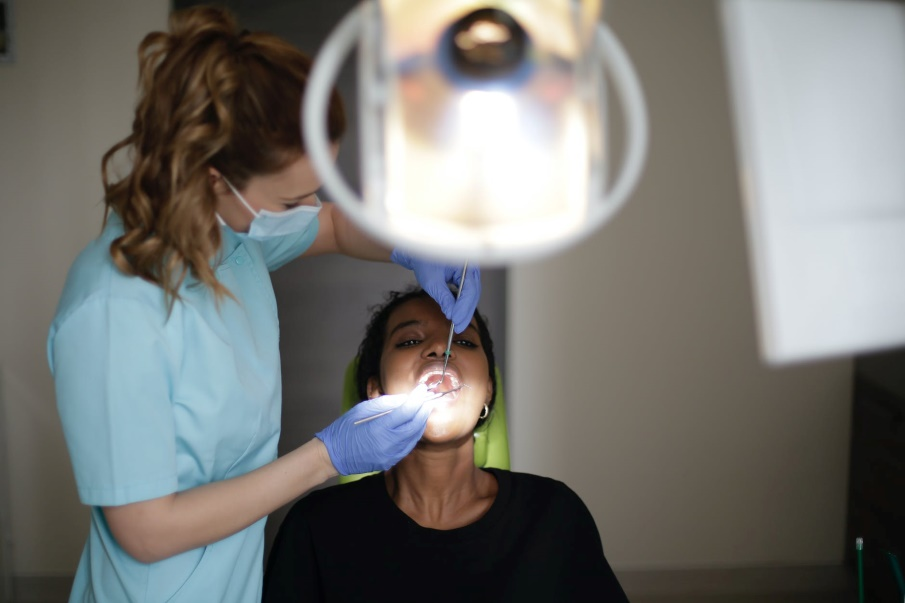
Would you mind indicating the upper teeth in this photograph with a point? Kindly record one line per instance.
(426, 376)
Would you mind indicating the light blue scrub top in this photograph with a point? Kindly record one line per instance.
(152, 405)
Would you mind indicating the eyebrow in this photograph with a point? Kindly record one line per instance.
(301, 196)
(402, 325)
(409, 323)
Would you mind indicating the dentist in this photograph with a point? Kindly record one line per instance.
(164, 348)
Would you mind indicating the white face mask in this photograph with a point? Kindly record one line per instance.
(266, 224)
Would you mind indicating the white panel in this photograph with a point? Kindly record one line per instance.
(818, 90)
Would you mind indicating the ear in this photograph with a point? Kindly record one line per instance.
(374, 389)
(215, 179)
(489, 398)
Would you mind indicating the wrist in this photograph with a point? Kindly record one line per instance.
(323, 463)
(400, 258)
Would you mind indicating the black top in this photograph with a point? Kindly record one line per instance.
(537, 542)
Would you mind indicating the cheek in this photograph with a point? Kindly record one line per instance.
(386, 384)
(393, 376)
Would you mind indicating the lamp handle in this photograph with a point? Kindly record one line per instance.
(631, 97)
(314, 107)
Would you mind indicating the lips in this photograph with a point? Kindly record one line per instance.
(430, 376)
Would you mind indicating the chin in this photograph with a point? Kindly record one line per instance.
(444, 429)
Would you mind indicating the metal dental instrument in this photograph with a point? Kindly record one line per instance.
(386, 412)
(452, 326)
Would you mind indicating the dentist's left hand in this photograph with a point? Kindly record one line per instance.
(435, 278)
(378, 444)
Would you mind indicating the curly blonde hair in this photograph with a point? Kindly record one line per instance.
(209, 96)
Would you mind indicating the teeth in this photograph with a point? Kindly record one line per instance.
(426, 377)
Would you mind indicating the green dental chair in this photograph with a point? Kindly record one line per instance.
(491, 445)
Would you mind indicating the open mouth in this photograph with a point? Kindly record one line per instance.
(432, 378)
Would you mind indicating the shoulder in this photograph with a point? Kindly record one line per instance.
(540, 485)
(541, 493)
(552, 507)
(94, 274)
(94, 284)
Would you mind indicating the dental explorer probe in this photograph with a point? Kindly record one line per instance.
(452, 326)
(437, 396)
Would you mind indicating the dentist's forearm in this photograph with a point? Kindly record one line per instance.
(337, 234)
(156, 529)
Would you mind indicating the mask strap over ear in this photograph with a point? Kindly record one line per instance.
(239, 196)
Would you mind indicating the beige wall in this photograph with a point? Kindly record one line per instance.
(64, 101)
(634, 373)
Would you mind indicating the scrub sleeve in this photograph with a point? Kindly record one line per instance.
(153, 404)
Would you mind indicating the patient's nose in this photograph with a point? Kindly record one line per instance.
(437, 346)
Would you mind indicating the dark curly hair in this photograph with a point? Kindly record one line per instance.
(371, 348)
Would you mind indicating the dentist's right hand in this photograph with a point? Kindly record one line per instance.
(378, 444)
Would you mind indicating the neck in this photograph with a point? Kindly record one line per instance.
(439, 487)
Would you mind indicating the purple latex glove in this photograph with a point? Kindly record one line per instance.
(378, 444)
(435, 279)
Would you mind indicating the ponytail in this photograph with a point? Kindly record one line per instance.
(209, 96)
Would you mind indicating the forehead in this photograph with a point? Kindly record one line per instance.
(419, 308)
(299, 172)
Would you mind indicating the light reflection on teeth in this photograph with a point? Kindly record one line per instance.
(432, 380)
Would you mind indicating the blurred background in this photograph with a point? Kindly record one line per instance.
(630, 362)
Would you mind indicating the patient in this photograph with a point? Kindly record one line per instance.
(435, 527)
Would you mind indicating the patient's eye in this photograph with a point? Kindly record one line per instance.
(466, 343)
(407, 343)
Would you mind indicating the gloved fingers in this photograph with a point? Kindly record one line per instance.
(423, 402)
(414, 428)
(435, 279)
(473, 279)
(439, 291)
(462, 313)
(401, 258)
(409, 434)
(415, 403)
(465, 306)
(379, 404)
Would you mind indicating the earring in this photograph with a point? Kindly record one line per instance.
(485, 412)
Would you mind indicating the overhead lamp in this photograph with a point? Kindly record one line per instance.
(483, 125)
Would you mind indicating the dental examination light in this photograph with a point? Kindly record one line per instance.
(483, 125)
(818, 90)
